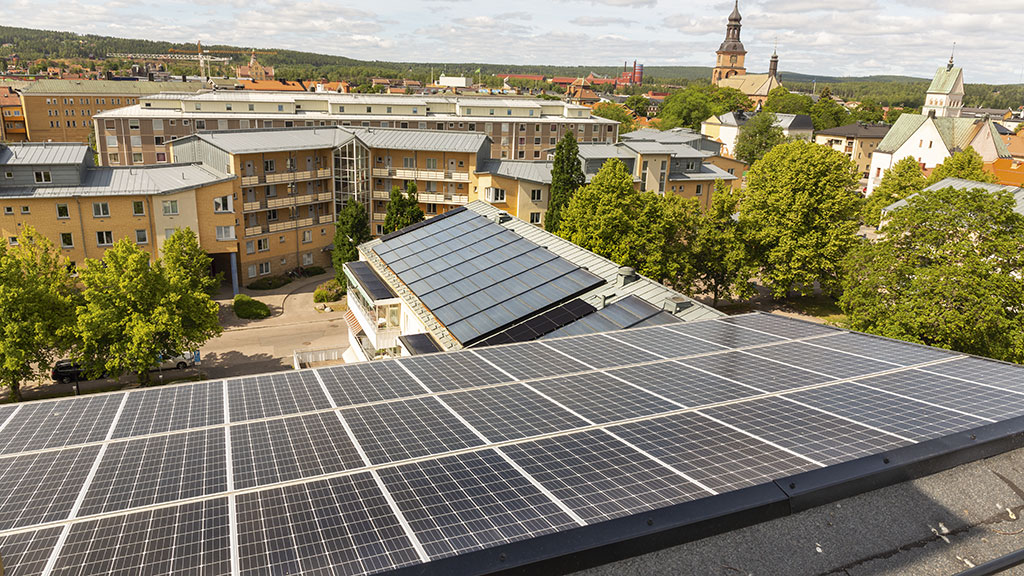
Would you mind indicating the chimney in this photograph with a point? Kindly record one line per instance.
(626, 275)
(676, 304)
(605, 298)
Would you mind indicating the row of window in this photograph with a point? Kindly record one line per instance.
(221, 205)
(85, 101)
(263, 268)
(105, 238)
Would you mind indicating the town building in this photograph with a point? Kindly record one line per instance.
(492, 279)
(579, 92)
(519, 128)
(12, 119)
(84, 209)
(254, 70)
(729, 70)
(858, 141)
(726, 128)
(945, 95)
(62, 110)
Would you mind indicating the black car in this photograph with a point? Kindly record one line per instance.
(67, 371)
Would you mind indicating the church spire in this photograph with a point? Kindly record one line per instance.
(951, 54)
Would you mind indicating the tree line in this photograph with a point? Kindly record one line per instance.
(116, 315)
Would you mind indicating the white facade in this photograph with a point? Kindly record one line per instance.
(454, 81)
(925, 146)
(946, 104)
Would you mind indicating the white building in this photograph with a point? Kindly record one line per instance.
(455, 81)
(726, 128)
(945, 95)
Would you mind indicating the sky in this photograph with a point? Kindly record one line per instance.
(850, 38)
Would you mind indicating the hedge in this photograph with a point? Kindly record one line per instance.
(246, 307)
(269, 283)
(329, 291)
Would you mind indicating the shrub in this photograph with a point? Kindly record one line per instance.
(246, 307)
(313, 270)
(329, 291)
(269, 283)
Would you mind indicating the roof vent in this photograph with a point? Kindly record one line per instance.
(676, 304)
(501, 217)
(626, 275)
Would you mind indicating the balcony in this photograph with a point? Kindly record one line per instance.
(379, 216)
(285, 177)
(328, 219)
(287, 201)
(280, 226)
(254, 231)
(381, 195)
(414, 174)
(427, 198)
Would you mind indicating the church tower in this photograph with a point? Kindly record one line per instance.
(945, 96)
(731, 52)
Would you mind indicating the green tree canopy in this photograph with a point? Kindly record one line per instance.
(617, 113)
(799, 216)
(902, 180)
(868, 111)
(638, 103)
(352, 229)
(966, 164)
(721, 257)
(827, 113)
(37, 304)
(947, 273)
(566, 179)
(759, 135)
(190, 285)
(403, 208)
(698, 102)
(639, 229)
(782, 101)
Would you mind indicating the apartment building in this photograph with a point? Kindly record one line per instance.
(62, 110)
(858, 141)
(84, 209)
(492, 279)
(726, 128)
(12, 119)
(523, 189)
(518, 128)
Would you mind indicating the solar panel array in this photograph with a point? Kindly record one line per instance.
(478, 277)
(370, 467)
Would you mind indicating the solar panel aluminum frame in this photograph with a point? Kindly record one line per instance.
(653, 530)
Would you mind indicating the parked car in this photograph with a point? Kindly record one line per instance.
(67, 371)
(179, 361)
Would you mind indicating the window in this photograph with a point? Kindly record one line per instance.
(222, 124)
(43, 177)
(105, 238)
(199, 105)
(12, 240)
(227, 106)
(158, 140)
(731, 171)
(8, 175)
(272, 215)
(431, 163)
(307, 259)
(272, 191)
(62, 212)
(200, 124)
(158, 124)
(264, 268)
(223, 204)
(26, 210)
(250, 247)
(137, 158)
(262, 244)
(100, 209)
(136, 141)
(8, 210)
(409, 162)
(133, 123)
(67, 240)
(141, 237)
(161, 157)
(225, 232)
(281, 239)
(534, 217)
(307, 236)
(700, 189)
(168, 232)
(494, 194)
(113, 158)
(269, 165)
(431, 208)
(280, 107)
(170, 207)
(252, 271)
(535, 195)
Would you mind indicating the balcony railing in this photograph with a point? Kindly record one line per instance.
(379, 216)
(285, 177)
(254, 230)
(381, 195)
(287, 201)
(327, 219)
(414, 174)
(427, 198)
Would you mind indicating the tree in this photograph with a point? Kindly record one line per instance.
(638, 103)
(615, 112)
(698, 102)
(782, 101)
(900, 181)
(352, 229)
(947, 273)
(759, 135)
(966, 165)
(799, 216)
(721, 258)
(37, 304)
(610, 217)
(566, 179)
(827, 113)
(186, 268)
(403, 208)
(868, 111)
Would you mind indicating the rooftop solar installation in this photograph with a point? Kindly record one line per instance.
(478, 277)
(522, 456)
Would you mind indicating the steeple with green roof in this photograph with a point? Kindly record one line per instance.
(945, 96)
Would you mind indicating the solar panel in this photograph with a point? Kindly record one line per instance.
(758, 373)
(274, 395)
(600, 398)
(42, 487)
(510, 412)
(340, 525)
(159, 410)
(26, 553)
(599, 477)
(371, 467)
(368, 382)
(286, 449)
(407, 429)
(190, 538)
(909, 419)
(157, 469)
(471, 501)
(719, 457)
(52, 424)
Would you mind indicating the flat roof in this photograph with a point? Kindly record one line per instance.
(42, 153)
(414, 139)
(127, 181)
(130, 87)
(254, 140)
